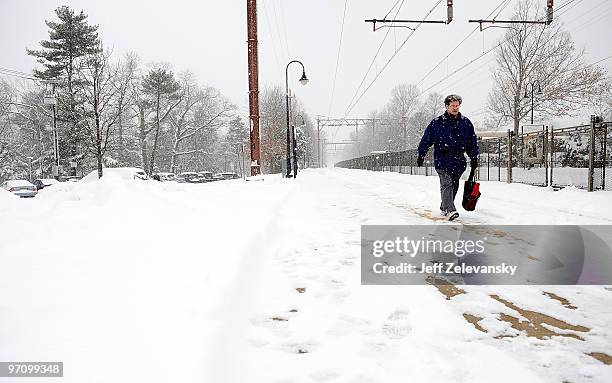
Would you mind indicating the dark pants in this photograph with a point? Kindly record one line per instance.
(449, 185)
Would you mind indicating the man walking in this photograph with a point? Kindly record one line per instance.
(452, 135)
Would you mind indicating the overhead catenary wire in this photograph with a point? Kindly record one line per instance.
(458, 45)
(501, 10)
(602, 15)
(390, 10)
(375, 55)
(282, 10)
(271, 35)
(278, 32)
(487, 52)
(331, 101)
(390, 59)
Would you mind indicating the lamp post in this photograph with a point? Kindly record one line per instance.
(303, 80)
(539, 92)
(50, 99)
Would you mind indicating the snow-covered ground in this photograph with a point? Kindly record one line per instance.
(259, 281)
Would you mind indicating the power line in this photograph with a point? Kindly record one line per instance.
(502, 41)
(458, 45)
(14, 73)
(331, 101)
(376, 54)
(391, 58)
(566, 4)
(282, 11)
(278, 32)
(271, 34)
(393, 7)
(500, 11)
(488, 51)
(602, 15)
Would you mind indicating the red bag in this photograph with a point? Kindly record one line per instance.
(471, 192)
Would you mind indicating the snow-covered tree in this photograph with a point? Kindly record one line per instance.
(531, 52)
(70, 39)
(164, 95)
(101, 103)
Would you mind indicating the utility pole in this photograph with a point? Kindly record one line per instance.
(253, 86)
(52, 100)
(319, 141)
(373, 132)
(405, 129)
(357, 137)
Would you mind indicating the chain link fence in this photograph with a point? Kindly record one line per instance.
(574, 156)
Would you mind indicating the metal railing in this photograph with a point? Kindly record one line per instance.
(573, 156)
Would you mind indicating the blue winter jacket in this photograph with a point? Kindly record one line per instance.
(451, 137)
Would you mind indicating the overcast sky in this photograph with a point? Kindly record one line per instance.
(209, 38)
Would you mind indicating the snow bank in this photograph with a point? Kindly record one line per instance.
(260, 282)
(6, 198)
(124, 173)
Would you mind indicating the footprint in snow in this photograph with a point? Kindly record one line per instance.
(324, 376)
(298, 347)
(397, 325)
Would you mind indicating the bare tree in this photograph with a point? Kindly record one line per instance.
(403, 103)
(164, 93)
(602, 105)
(273, 128)
(200, 111)
(534, 52)
(100, 102)
(127, 75)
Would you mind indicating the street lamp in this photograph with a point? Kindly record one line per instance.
(303, 80)
(50, 99)
(539, 92)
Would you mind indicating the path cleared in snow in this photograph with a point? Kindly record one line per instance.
(260, 281)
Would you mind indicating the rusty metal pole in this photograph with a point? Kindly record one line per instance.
(253, 86)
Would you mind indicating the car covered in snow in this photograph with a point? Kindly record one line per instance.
(123, 173)
(70, 179)
(21, 188)
(164, 176)
(207, 176)
(42, 183)
(191, 177)
(226, 176)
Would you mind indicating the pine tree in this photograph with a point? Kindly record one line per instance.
(70, 39)
(163, 89)
(237, 133)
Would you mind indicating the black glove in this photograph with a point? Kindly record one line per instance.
(474, 162)
(420, 161)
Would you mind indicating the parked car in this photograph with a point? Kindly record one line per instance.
(207, 176)
(70, 179)
(42, 183)
(226, 176)
(124, 173)
(21, 188)
(191, 177)
(165, 176)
